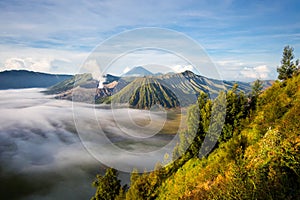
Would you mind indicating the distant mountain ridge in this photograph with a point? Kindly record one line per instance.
(17, 79)
(168, 90)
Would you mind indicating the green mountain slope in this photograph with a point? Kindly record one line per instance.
(151, 92)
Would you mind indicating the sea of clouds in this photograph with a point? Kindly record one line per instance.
(42, 156)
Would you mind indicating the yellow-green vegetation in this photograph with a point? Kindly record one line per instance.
(257, 155)
(261, 162)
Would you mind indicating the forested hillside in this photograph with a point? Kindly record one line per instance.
(257, 155)
(259, 161)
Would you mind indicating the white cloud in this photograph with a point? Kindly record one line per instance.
(40, 59)
(91, 66)
(230, 64)
(14, 63)
(41, 65)
(258, 72)
(181, 68)
(238, 70)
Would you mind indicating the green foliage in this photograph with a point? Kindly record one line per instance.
(236, 111)
(145, 186)
(262, 162)
(259, 160)
(108, 186)
(288, 67)
(198, 121)
(257, 88)
(199, 126)
(218, 120)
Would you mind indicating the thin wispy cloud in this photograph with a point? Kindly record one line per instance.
(225, 28)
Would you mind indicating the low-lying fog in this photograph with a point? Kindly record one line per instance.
(43, 157)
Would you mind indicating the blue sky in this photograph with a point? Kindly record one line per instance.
(244, 39)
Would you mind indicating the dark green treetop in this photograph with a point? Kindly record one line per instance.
(288, 67)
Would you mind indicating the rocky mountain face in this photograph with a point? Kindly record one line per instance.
(80, 80)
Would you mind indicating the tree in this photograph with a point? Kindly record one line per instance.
(108, 186)
(197, 125)
(198, 121)
(256, 91)
(288, 67)
(236, 110)
(257, 88)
